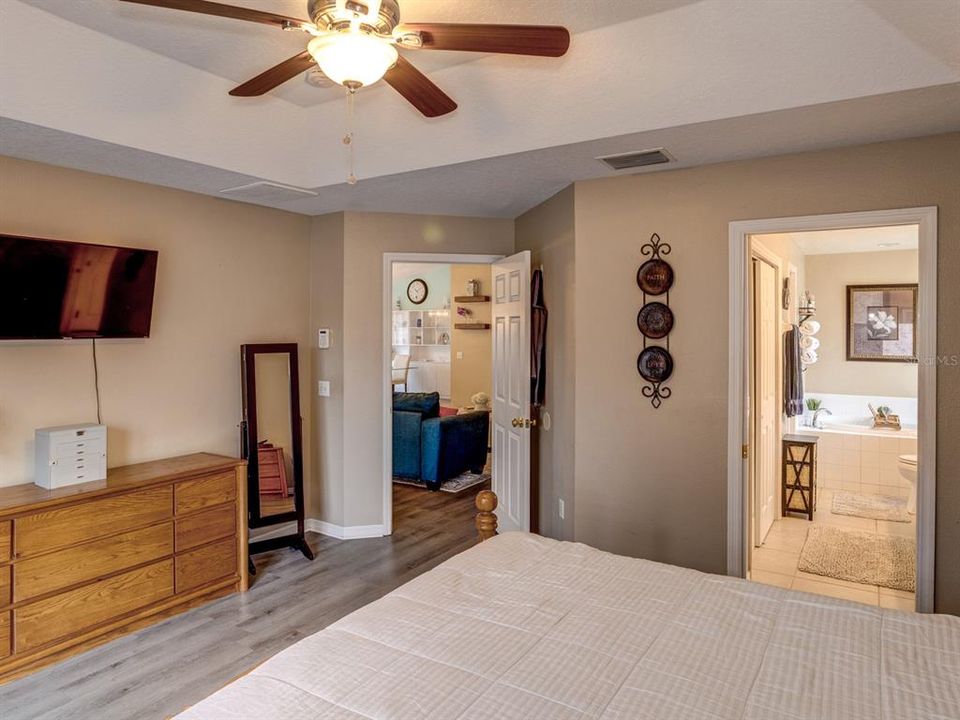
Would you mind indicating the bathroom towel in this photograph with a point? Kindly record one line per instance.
(792, 373)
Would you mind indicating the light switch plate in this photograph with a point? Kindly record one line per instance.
(459, 355)
(323, 388)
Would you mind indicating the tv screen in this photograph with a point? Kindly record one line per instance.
(54, 289)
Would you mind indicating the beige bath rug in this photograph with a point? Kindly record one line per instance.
(861, 557)
(876, 507)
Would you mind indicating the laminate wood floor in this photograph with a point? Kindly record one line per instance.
(162, 669)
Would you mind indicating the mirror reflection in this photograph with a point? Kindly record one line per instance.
(274, 434)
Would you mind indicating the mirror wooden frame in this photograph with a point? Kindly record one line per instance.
(248, 442)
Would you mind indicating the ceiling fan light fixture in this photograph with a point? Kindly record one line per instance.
(353, 59)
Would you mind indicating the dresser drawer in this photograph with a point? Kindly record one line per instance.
(5, 644)
(192, 495)
(92, 560)
(77, 610)
(203, 527)
(69, 526)
(6, 547)
(6, 544)
(204, 565)
(6, 585)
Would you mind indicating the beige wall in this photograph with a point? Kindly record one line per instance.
(791, 258)
(827, 278)
(473, 372)
(326, 311)
(228, 274)
(652, 483)
(366, 237)
(548, 232)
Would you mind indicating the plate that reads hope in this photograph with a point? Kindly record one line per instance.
(655, 320)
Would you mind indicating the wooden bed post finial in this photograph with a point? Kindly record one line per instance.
(486, 522)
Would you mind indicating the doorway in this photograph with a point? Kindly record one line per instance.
(815, 276)
(446, 358)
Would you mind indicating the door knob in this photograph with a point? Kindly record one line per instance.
(517, 422)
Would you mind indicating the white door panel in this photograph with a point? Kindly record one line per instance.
(511, 396)
(766, 352)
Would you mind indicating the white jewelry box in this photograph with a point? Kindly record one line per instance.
(70, 454)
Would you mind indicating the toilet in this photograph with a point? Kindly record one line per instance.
(907, 465)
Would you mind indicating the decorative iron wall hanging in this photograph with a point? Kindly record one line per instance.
(655, 320)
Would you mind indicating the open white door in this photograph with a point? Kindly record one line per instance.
(511, 390)
(767, 408)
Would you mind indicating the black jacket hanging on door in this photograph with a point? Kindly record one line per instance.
(538, 339)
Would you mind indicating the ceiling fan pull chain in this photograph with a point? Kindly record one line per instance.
(348, 138)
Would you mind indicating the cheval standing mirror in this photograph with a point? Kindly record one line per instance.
(271, 443)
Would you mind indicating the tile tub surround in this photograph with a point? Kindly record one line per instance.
(862, 462)
(853, 409)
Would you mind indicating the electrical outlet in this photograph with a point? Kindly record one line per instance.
(323, 388)
(459, 355)
(562, 509)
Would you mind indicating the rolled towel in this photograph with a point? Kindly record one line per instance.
(809, 327)
(809, 342)
(808, 357)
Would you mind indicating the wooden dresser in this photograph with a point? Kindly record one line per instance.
(84, 564)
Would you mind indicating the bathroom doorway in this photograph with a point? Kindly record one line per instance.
(837, 323)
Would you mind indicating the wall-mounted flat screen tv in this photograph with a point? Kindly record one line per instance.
(54, 289)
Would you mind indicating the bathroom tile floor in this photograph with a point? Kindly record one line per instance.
(775, 562)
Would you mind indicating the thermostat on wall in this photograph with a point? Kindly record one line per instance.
(323, 338)
(70, 454)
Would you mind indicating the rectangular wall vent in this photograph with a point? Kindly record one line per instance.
(266, 191)
(642, 158)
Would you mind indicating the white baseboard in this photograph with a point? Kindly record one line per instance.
(350, 532)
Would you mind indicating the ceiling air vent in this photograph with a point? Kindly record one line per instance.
(626, 161)
(265, 191)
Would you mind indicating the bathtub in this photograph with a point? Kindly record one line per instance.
(858, 426)
(854, 456)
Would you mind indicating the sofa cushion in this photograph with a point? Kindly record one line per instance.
(427, 404)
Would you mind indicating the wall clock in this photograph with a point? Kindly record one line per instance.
(417, 291)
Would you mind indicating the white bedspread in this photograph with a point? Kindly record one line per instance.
(526, 627)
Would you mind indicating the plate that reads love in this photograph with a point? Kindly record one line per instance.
(655, 364)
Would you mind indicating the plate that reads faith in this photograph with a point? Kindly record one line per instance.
(655, 277)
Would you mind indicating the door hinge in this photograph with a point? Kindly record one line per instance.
(745, 452)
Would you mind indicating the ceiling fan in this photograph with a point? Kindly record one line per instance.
(355, 44)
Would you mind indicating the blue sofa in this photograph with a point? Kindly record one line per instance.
(432, 448)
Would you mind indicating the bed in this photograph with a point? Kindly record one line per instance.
(522, 626)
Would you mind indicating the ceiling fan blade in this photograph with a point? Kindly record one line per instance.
(277, 75)
(221, 10)
(544, 40)
(418, 89)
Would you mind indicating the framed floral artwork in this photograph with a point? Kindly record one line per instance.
(881, 323)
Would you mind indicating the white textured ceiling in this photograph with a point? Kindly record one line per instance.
(141, 92)
(237, 51)
(857, 240)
